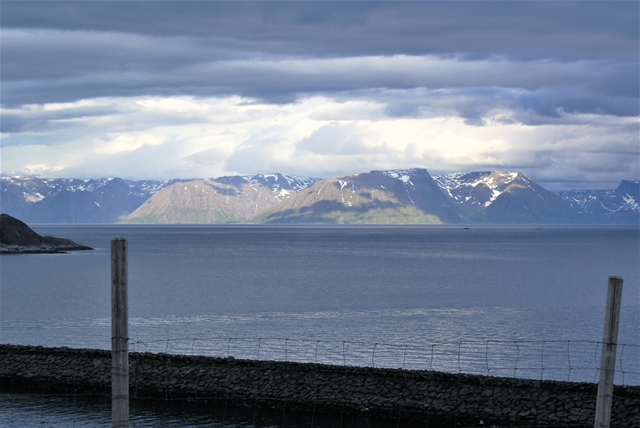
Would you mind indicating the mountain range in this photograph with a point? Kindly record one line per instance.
(410, 196)
(62, 200)
(620, 205)
(220, 200)
(507, 198)
(375, 197)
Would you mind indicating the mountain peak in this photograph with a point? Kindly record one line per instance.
(396, 196)
(229, 199)
(279, 183)
(629, 187)
(505, 197)
(403, 175)
(480, 189)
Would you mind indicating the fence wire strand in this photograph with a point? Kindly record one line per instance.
(568, 360)
(558, 359)
(490, 357)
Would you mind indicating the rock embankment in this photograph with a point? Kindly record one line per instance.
(17, 237)
(382, 392)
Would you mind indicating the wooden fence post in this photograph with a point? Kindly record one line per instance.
(608, 358)
(119, 335)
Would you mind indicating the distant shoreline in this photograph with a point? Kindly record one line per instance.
(13, 249)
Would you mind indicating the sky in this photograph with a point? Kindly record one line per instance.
(200, 89)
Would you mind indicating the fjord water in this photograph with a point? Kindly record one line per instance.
(364, 286)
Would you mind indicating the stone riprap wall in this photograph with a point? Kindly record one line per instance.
(417, 395)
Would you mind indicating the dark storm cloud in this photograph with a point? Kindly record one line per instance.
(526, 29)
(540, 106)
(90, 86)
(531, 107)
(63, 51)
(565, 86)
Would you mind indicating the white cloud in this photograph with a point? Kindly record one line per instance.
(183, 137)
(144, 90)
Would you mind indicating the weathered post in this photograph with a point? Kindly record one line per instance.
(119, 335)
(608, 358)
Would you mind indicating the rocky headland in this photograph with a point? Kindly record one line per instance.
(16, 237)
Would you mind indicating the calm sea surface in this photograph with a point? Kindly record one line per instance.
(505, 301)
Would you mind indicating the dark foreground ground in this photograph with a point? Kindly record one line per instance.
(270, 393)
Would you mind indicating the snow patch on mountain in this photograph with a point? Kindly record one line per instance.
(447, 182)
(278, 182)
(462, 186)
(630, 203)
(403, 175)
(620, 205)
(53, 186)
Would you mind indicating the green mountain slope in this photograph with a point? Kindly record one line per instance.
(378, 197)
(223, 200)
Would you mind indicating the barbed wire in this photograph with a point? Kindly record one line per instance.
(568, 360)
